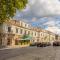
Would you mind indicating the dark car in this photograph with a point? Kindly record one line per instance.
(43, 44)
(56, 43)
(48, 43)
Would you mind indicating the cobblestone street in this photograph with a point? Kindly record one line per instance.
(31, 53)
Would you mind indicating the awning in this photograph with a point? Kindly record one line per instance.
(27, 38)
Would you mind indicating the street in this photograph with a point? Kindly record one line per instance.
(31, 53)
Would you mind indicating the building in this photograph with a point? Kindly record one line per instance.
(12, 31)
(46, 36)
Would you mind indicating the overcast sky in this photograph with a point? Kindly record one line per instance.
(42, 13)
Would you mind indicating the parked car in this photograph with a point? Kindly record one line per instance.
(43, 44)
(48, 43)
(56, 43)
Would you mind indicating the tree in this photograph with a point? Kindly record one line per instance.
(8, 8)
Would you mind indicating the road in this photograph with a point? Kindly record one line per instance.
(31, 53)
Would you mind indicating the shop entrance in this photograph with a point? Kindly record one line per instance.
(9, 41)
(22, 42)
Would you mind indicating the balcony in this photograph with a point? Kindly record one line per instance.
(10, 33)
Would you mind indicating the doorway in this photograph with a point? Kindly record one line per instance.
(9, 42)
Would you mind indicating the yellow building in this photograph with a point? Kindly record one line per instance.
(46, 36)
(12, 31)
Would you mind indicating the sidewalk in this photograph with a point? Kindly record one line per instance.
(14, 47)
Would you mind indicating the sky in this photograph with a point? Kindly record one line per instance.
(42, 13)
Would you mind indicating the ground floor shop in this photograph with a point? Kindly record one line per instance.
(16, 40)
(12, 40)
(22, 42)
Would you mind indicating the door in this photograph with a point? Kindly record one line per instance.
(9, 42)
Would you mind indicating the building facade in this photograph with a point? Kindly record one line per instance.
(11, 33)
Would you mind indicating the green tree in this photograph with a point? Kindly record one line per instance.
(8, 8)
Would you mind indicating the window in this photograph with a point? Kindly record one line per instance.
(16, 30)
(9, 29)
(32, 40)
(25, 25)
(28, 32)
(37, 40)
(21, 31)
(32, 33)
(42, 34)
(21, 24)
(25, 32)
(35, 34)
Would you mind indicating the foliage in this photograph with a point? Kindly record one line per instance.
(8, 8)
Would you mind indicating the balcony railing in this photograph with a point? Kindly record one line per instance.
(10, 32)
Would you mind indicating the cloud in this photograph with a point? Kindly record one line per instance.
(45, 7)
(54, 29)
(34, 19)
(52, 21)
(41, 8)
(42, 13)
(53, 25)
